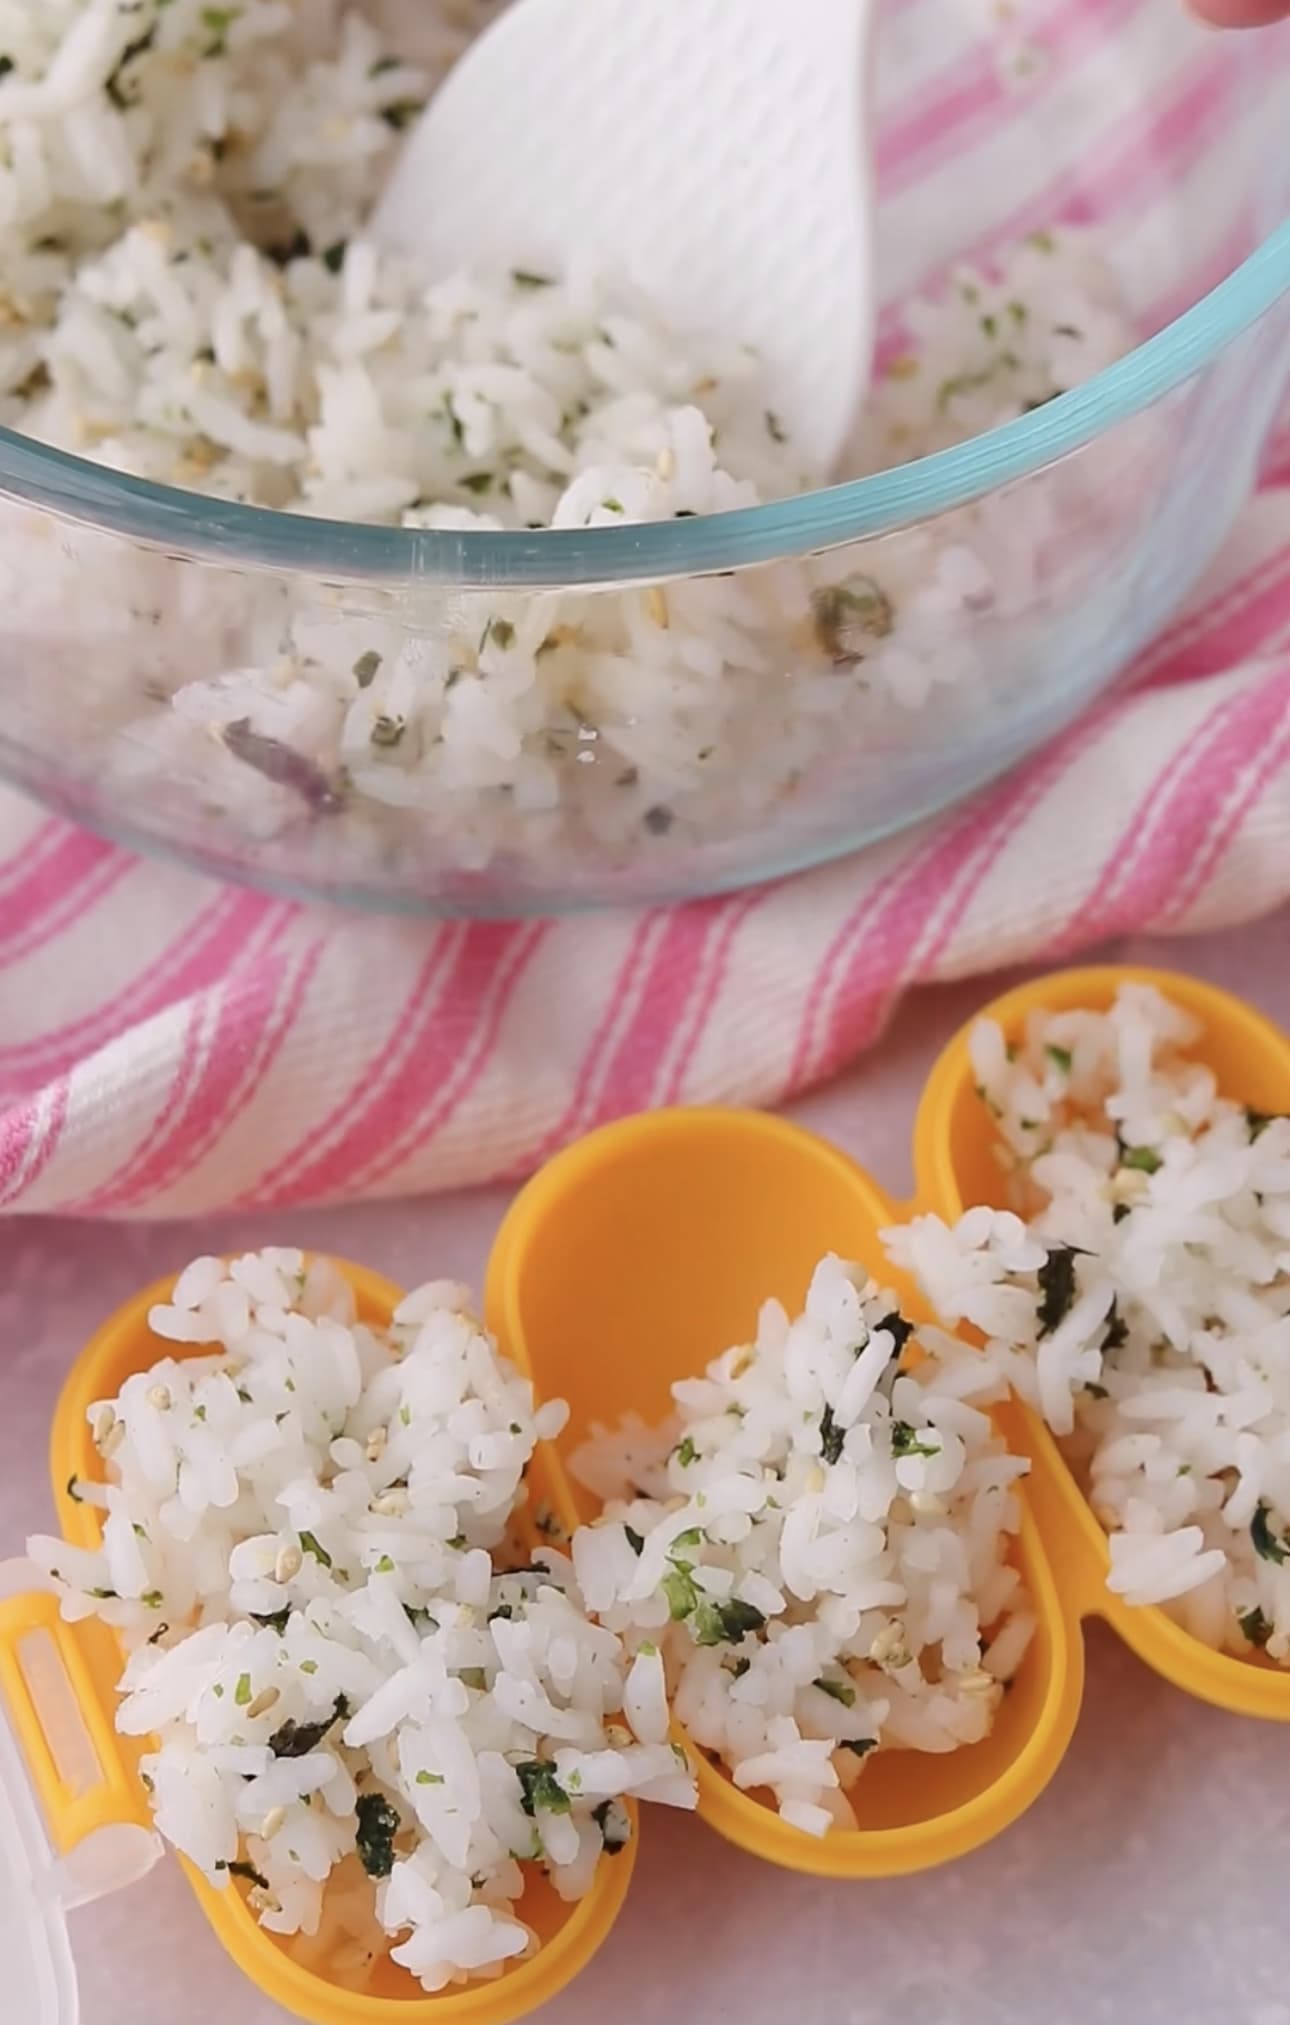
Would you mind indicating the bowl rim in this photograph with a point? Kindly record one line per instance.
(195, 527)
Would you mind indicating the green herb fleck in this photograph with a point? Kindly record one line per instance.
(365, 668)
(297, 1740)
(477, 481)
(898, 1329)
(217, 21)
(311, 1545)
(308, 1666)
(453, 419)
(1117, 1330)
(775, 428)
(199, 1413)
(685, 1451)
(1097, 1391)
(378, 1824)
(385, 1565)
(247, 1872)
(387, 732)
(613, 505)
(524, 277)
(1259, 1121)
(273, 1620)
(725, 1623)
(1057, 1286)
(242, 1692)
(153, 1598)
(540, 1788)
(905, 1441)
(104, 1595)
(832, 1436)
(1143, 1159)
(1060, 1058)
(1268, 1545)
(1255, 1626)
(398, 116)
(691, 1537)
(614, 1823)
(840, 1691)
(430, 1778)
(849, 617)
(474, 1677)
(1121, 1210)
(298, 247)
(635, 1540)
(682, 1596)
(113, 87)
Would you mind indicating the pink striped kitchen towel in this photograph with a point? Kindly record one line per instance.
(169, 1047)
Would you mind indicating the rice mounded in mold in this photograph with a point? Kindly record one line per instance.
(1144, 1306)
(373, 1703)
(813, 1558)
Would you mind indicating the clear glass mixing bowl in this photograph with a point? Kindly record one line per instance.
(1026, 567)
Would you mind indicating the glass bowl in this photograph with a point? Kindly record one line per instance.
(788, 681)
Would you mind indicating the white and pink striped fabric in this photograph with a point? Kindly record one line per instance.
(169, 1047)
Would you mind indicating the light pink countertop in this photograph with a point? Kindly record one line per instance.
(1147, 1884)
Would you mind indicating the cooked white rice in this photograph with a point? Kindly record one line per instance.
(1144, 1307)
(188, 297)
(313, 1550)
(813, 1558)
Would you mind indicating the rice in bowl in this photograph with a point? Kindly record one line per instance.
(190, 299)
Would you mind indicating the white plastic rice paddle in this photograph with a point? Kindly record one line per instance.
(716, 153)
